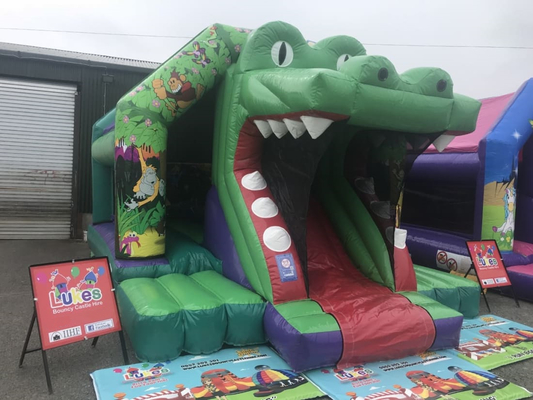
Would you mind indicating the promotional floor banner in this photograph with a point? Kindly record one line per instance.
(431, 375)
(490, 342)
(230, 374)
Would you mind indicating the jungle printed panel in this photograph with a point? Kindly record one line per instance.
(143, 118)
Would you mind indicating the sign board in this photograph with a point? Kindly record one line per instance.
(74, 301)
(488, 263)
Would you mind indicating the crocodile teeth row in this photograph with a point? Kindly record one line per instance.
(314, 125)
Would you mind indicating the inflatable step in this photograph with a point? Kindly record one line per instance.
(244, 308)
(197, 314)
(447, 321)
(303, 334)
(453, 291)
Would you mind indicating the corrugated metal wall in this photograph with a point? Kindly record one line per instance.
(91, 104)
(37, 136)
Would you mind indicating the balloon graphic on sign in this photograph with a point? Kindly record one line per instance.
(145, 365)
(117, 370)
(101, 271)
(75, 271)
(41, 278)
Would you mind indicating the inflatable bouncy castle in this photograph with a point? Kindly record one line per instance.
(479, 187)
(247, 191)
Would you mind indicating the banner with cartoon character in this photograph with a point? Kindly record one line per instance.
(239, 374)
(74, 301)
(499, 213)
(143, 119)
(500, 153)
(430, 375)
(490, 342)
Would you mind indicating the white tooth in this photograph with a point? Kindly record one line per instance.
(264, 207)
(277, 239)
(400, 237)
(253, 181)
(278, 127)
(442, 141)
(296, 128)
(316, 126)
(264, 128)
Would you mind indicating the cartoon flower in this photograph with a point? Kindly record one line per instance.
(238, 48)
(228, 60)
(139, 88)
(126, 119)
(247, 30)
(178, 56)
(214, 71)
(508, 239)
(156, 103)
(133, 138)
(133, 93)
(195, 71)
(148, 122)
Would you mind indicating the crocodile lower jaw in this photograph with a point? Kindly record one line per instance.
(296, 123)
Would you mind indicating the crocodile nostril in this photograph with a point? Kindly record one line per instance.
(441, 85)
(383, 74)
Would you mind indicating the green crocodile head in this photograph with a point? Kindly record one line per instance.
(287, 104)
(293, 121)
(282, 75)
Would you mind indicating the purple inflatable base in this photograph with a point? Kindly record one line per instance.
(218, 240)
(522, 279)
(448, 332)
(302, 351)
(306, 351)
(424, 244)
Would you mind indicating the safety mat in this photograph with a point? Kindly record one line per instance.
(490, 342)
(430, 375)
(236, 374)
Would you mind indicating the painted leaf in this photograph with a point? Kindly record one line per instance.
(137, 118)
(124, 130)
(165, 112)
(143, 99)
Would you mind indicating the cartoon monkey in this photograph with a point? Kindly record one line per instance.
(147, 187)
(181, 91)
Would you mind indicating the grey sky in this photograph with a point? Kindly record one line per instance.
(478, 72)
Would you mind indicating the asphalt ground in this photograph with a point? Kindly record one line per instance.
(71, 365)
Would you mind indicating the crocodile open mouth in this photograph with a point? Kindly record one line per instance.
(280, 168)
(275, 163)
(322, 197)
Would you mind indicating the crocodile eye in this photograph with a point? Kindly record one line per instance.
(383, 74)
(441, 85)
(342, 59)
(282, 54)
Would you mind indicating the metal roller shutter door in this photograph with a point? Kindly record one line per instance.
(36, 144)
